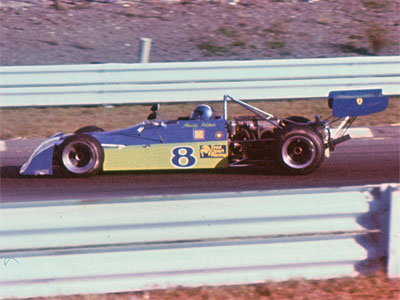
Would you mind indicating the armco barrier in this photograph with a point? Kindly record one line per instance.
(78, 247)
(102, 84)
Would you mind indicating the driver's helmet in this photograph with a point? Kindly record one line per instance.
(203, 112)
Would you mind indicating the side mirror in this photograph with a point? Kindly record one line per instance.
(155, 107)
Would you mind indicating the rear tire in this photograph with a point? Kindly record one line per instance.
(296, 119)
(299, 151)
(81, 156)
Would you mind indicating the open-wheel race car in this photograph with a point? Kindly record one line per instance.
(205, 140)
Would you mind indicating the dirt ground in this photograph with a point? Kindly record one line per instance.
(73, 32)
(375, 287)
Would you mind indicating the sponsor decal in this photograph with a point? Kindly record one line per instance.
(199, 134)
(360, 101)
(219, 135)
(212, 151)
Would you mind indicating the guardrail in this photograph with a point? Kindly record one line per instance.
(103, 84)
(78, 247)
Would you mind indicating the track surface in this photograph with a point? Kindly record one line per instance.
(359, 161)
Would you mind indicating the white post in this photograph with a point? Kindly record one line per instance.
(394, 238)
(144, 52)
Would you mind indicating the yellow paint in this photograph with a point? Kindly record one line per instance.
(159, 156)
(126, 158)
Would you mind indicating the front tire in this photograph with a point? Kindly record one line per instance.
(88, 129)
(81, 156)
(299, 151)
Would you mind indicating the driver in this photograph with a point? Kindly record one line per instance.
(203, 112)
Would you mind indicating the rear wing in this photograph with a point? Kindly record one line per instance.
(357, 102)
(348, 105)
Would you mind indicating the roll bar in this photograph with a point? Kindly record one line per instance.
(262, 114)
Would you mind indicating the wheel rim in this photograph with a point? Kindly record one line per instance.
(298, 152)
(79, 157)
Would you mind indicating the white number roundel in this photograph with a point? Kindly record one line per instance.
(182, 157)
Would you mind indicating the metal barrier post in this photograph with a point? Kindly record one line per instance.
(144, 52)
(394, 236)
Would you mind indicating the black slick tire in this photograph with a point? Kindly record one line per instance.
(299, 150)
(88, 129)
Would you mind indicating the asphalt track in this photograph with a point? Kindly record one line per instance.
(366, 159)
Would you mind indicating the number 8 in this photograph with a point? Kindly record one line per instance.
(182, 157)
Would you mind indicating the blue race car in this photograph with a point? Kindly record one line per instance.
(205, 140)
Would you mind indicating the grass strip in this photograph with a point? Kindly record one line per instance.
(43, 122)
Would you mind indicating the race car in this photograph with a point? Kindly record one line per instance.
(205, 140)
